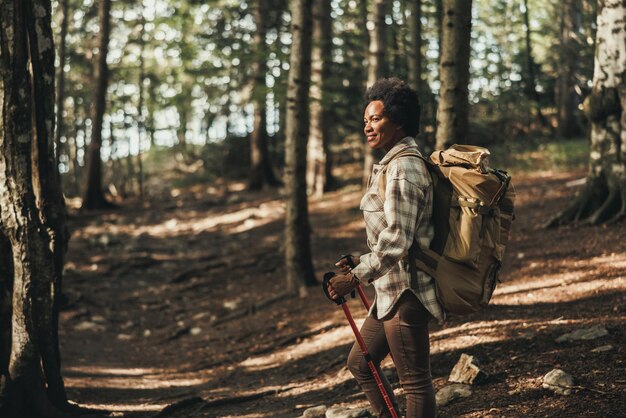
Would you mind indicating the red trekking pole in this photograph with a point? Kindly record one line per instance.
(359, 289)
(351, 264)
(359, 338)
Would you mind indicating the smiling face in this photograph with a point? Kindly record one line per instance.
(379, 130)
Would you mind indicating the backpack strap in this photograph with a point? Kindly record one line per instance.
(423, 259)
(382, 176)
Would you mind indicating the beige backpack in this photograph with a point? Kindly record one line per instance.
(472, 214)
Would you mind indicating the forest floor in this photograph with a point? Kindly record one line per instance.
(149, 283)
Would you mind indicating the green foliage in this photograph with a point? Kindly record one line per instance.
(540, 155)
(192, 64)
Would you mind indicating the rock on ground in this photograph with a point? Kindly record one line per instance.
(448, 394)
(602, 348)
(591, 333)
(315, 412)
(467, 371)
(343, 412)
(89, 326)
(558, 381)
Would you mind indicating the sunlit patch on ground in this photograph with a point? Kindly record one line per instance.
(125, 407)
(117, 378)
(307, 347)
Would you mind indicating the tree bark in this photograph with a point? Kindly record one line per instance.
(566, 95)
(439, 19)
(453, 109)
(261, 171)
(32, 216)
(319, 165)
(415, 56)
(298, 259)
(376, 68)
(604, 198)
(94, 196)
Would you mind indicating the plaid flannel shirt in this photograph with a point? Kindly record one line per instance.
(391, 223)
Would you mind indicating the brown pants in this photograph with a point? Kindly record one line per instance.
(405, 333)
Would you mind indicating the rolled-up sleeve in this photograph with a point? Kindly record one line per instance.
(402, 204)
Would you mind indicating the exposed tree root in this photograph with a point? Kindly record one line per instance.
(600, 202)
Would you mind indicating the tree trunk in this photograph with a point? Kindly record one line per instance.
(151, 108)
(298, 259)
(415, 56)
(94, 195)
(376, 68)
(141, 123)
(453, 110)
(261, 171)
(181, 130)
(439, 19)
(32, 216)
(60, 95)
(81, 110)
(531, 85)
(604, 198)
(566, 95)
(319, 165)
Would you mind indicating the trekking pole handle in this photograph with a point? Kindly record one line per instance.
(348, 258)
(340, 300)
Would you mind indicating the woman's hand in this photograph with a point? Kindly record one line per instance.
(344, 264)
(341, 285)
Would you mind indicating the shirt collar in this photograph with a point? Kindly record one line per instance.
(401, 145)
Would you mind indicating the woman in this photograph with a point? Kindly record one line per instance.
(398, 319)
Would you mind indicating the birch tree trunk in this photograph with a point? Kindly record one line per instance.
(298, 260)
(566, 96)
(453, 109)
(261, 171)
(319, 164)
(604, 198)
(94, 195)
(32, 216)
(376, 67)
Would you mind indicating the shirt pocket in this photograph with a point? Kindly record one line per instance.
(372, 206)
(372, 202)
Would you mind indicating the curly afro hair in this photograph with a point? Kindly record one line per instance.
(400, 102)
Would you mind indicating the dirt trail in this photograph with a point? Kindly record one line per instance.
(146, 286)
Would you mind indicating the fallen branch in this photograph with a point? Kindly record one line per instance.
(586, 388)
(196, 271)
(244, 398)
(293, 338)
(251, 309)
